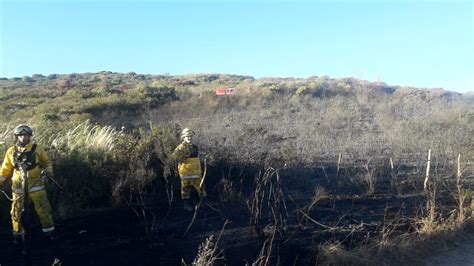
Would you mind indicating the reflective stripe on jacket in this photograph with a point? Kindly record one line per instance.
(32, 189)
(34, 179)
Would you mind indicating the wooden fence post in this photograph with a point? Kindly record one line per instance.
(394, 179)
(461, 193)
(427, 176)
(338, 164)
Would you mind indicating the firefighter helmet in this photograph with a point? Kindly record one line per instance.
(23, 130)
(187, 133)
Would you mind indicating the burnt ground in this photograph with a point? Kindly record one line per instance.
(116, 236)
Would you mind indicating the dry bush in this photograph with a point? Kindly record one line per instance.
(367, 177)
(134, 184)
(319, 194)
(267, 201)
(133, 187)
(333, 253)
(228, 191)
(208, 253)
(265, 255)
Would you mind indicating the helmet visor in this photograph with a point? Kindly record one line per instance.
(23, 130)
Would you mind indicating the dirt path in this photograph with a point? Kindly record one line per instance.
(461, 254)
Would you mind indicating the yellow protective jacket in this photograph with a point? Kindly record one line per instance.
(40, 161)
(189, 165)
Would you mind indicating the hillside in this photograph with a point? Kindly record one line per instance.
(280, 114)
(337, 163)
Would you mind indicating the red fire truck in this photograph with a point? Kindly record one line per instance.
(225, 91)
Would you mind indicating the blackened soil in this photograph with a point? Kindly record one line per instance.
(117, 236)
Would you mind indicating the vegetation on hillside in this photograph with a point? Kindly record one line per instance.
(318, 139)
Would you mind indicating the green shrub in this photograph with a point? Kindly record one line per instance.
(158, 95)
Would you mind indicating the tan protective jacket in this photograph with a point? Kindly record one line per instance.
(189, 165)
(35, 181)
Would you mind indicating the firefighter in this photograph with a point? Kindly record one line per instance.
(189, 168)
(35, 159)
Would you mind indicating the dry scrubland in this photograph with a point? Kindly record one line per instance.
(299, 170)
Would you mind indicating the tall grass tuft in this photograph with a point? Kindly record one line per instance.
(5, 137)
(83, 165)
(4, 133)
(87, 138)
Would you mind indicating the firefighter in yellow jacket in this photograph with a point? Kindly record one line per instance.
(189, 167)
(34, 157)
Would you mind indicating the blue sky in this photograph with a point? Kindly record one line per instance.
(423, 44)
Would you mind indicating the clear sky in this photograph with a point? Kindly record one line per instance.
(415, 43)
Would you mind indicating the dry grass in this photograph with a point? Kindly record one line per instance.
(87, 137)
(392, 248)
(265, 256)
(333, 253)
(209, 252)
(268, 198)
(4, 133)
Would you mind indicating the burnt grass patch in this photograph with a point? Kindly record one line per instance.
(312, 211)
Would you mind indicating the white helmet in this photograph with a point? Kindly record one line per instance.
(187, 133)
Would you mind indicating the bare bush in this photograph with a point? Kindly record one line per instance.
(209, 252)
(319, 194)
(133, 186)
(369, 177)
(267, 199)
(137, 183)
(265, 256)
(229, 192)
(334, 253)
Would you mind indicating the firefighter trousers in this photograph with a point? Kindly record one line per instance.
(188, 183)
(41, 206)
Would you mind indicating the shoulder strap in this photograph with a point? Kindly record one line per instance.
(29, 159)
(33, 149)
